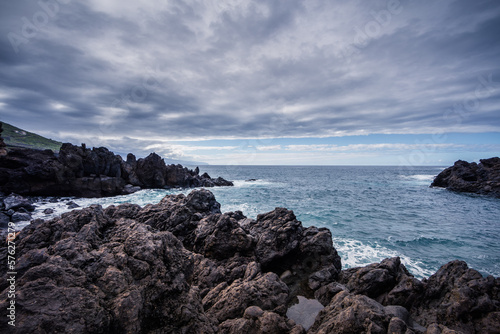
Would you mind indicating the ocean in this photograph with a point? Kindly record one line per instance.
(373, 212)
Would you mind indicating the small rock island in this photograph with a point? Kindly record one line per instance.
(482, 178)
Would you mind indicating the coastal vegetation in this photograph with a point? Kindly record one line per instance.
(16, 137)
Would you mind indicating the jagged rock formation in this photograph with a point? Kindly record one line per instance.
(482, 178)
(177, 266)
(97, 172)
(182, 266)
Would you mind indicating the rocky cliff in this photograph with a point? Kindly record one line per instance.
(482, 178)
(182, 266)
(96, 172)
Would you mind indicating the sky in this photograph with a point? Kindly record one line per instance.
(310, 82)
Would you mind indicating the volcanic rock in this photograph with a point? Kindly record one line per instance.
(20, 217)
(375, 280)
(349, 313)
(151, 171)
(48, 211)
(300, 255)
(182, 266)
(16, 202)
(123, 269)
(72, 205)
(130, 189)
(460, 298)
(266, 291)
(86, 273)
(482, 178)
(97, 172)
(257, 321)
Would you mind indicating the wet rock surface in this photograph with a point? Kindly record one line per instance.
(14, 209)
(182, 266)
(482, 178)
(97, 172)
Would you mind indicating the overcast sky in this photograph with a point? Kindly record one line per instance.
(258, 82)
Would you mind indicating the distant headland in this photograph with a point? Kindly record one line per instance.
(84, 172)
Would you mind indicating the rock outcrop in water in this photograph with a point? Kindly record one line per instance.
(182, 266)
(482, 178)
(15, 209)
(96, 172)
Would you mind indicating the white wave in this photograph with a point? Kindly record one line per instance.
(59, 205)
(243, 207)
(354, 253)
(420, 177)
(254, 184)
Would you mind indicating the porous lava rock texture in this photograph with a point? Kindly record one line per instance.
(183, 266)
(478, 178)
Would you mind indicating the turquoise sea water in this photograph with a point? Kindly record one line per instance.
(373, 212)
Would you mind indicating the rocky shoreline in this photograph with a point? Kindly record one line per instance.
(482, 178)
(97, 172)
(182, 266)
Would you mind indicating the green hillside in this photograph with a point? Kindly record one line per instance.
(15, 137)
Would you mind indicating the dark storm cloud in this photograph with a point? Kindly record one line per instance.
(240, 69)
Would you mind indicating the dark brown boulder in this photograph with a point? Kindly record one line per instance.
(278, 235)
(225, 301)
(376, 280)
(152, 171)
(257, 321)
(456, 298)
(127, 272)
(304, 257)
(87, 273)
(460, 298)
(180, 214)
(181, 266)
(352, 314)
(221, 236)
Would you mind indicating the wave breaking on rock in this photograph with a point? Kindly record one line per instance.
(182, 266)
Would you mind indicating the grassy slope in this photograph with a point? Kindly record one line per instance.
(15, 137)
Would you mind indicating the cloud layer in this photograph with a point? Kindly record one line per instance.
(138, 73)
